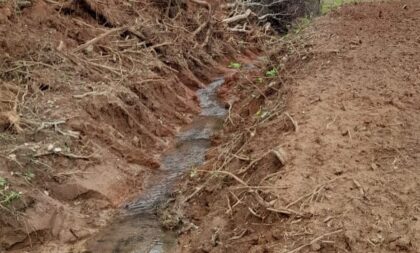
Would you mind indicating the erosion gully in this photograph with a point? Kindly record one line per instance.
(137, 229)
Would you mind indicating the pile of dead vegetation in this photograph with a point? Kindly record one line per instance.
(90, 94)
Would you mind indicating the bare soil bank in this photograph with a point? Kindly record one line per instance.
(324, 158)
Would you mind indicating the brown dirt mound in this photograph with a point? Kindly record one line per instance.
(324, 158)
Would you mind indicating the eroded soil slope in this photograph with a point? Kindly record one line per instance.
(330, 163)
(91, 92)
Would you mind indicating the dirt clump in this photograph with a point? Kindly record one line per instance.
(344, 111)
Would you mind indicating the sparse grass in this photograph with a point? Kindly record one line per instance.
(301, 24)
(328, 5)
(28, 176)
(297, 27)
(7, 195)
(6, 137)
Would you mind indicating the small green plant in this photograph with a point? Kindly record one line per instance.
(259, 80)
(271, 73)
(7, 196)
(28, 176)
(3, 183)
(301, 24)
(262, 113)
(235, 65)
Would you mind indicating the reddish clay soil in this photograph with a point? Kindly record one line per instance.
(322, 157)
(91, 93)
(327, 158)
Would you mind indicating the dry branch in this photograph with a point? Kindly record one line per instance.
(238, 17)
(98, 38)
(202, 3)
(68, 155)
(295, 124)
(227, 173)
(285, 211)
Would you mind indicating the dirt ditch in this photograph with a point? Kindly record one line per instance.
(139, 228)
(91, 95)
(100, 106)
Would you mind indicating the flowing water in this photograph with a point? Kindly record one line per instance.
(138, 230)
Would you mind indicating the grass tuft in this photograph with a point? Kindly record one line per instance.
(329, 5)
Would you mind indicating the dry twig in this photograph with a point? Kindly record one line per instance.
(315, 241)
(98, 38)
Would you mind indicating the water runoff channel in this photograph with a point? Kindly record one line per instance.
(138, 230)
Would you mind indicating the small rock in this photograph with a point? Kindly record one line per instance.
(316, 246)
(61, 46)
(89, 49)
(280, 154)
(351, 237)
(378, 239)
(338, 171)
(374, 166)
(393, 246)
(136, 141)
(403, 243)
(277, 234)
(258, 249)
(57, 150)
(392, 237)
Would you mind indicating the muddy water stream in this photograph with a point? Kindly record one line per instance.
(138, 229)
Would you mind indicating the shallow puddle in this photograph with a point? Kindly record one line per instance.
(138, 229)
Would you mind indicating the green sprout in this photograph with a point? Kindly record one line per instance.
(235, 65)
(271, 73)
(193, 172)
(262, 113)
(28, 176)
